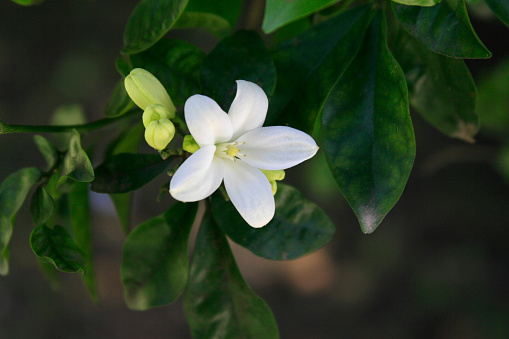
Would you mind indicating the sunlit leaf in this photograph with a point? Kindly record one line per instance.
(217, 301)
(368, 136)
(76, 165)
(424, 3)
(299, 227)
(41, 206)
(155, 261)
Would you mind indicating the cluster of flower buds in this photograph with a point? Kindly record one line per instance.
(150, 95)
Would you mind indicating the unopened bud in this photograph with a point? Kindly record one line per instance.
(145, 90)
(273, 176)
(159, 133)
(155, 112)
(189, 144)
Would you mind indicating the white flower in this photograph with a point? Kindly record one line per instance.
(234, 147)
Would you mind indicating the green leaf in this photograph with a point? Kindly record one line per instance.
(150, 20)
(501, 9)
(298, 228)
(122, 66)
(126, 172)
(67, 115)
(441, 90)
(13, 192)
(76, 165)
(41, 206)
(155, 260)
(229, 10)
(208, 21)
(310, 64)
(281, 12)
(240, 57)
(28, 2)
(368, 136)
(444, 28)
(55, 246)
(176, 64)
(423, 3)
(119, 102)
(47, 149)
(79, 212)
(217, 301)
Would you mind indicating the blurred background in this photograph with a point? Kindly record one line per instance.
(437, 267)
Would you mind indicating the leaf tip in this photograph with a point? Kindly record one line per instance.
(465, 131)
(369, 219)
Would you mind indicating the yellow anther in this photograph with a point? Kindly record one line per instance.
(231, 150)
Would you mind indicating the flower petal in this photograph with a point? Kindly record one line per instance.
(206, 121)
(198, 177)
(250, 192)
(248, 109)
(276, 147)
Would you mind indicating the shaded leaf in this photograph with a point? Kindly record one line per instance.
(28, 2)
(501, 9)
(47, 149)
(119, 102)
(126, 172)
(240, 57)
(444, 28)
(55, 246)
(76, 165)
(310, 64)
(66, 115)
(208, 21)
(368, 136)
(217, 301)
(281, 12)
(424, 3)
(155, 261)
(150, 20)
(13, 192)
(229, 10)
(41, 206)
(299, 227)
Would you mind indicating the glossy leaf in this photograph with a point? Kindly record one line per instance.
(299, 227)
(47, 149)
(155, 261)
(229, 10)
(281, 12)
(441, 90)
(55, 246)
(76, 165)
(423, 3)
(79, 212)
(119, 102)
(149, 22)
(368, 136)
(444, 28)
(176, 64)
(217, 301)
(208, 21)
(240, 57)
(41, 206)
(310, 64)
(13, 192)
(501, 9)
(126, 172)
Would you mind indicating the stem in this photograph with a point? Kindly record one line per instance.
(7, 128)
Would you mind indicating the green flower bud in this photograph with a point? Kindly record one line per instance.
(189, 144)
(273, 176)
(145, 90)
(155, 112)
(159, 133)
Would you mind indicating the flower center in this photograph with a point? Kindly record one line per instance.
(230, 150)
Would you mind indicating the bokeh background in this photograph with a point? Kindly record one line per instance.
(437, 267)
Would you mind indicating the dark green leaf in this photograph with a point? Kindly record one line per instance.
(176, 64)
(424, 3)
(47, 149)
(368, 135)
(444, 28)
(55, 246)
(281, 12)
(240, 57)
(123, 204)
(299, 227)
(119, 102)
(41, 206)
(28, 2)
(79, 212)
(208, 21)
(441, 90)
(217, 301)
(501, 9)
(126, 172)
(13, 192)
(122, 67)
(310, 64)
(76, 165)
(155, 260)
(150, 20)
(230, 10)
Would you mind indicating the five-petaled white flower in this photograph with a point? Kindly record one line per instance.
(234, 147)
